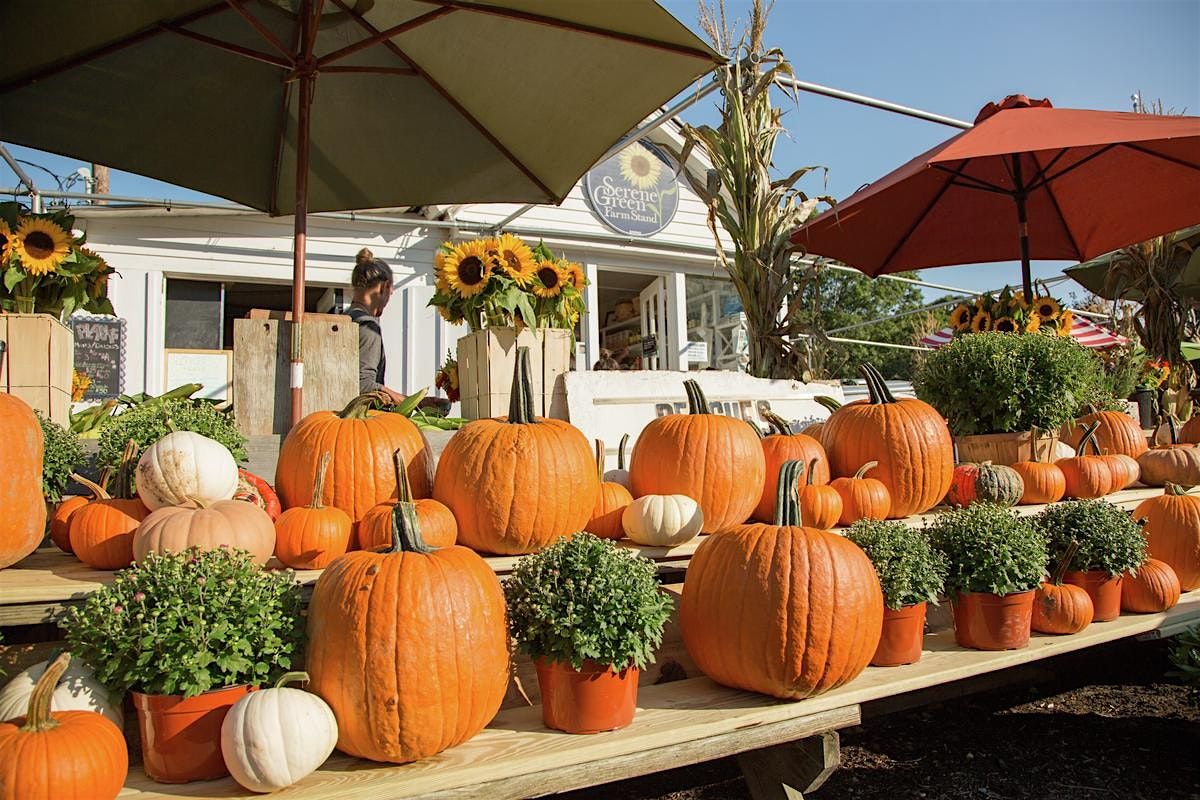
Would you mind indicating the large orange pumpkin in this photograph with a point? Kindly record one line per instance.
(1087, 477)
(516, 484)
(408, 646)
(783, 445)
(63, 754)
(713, 459)
(862, 497)
(907, 437)
(781, 609)
(438, 526)
(1116, 432)
(610, 503)
(1044, 482)
(362, 442)
(1172, 531)
(101, 532)
(310, 537)
(820, 506)
(22, 509)
(1154, 588)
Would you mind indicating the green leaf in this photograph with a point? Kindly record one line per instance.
(12, 276)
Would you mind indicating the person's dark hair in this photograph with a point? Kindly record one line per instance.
(369, 270)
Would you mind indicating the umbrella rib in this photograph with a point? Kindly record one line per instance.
(281, 130)
(245, 52)
(263, 31)
(1058, 209)
(380, 36)
(371, 70)
(1047, 179)
(111, 47)
(552, 22)
(1149, 152)
(958, 179)
(921, 218)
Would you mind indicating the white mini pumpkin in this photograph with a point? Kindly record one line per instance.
(77, 690)
(662, 520)
(274, 737)
(182, 467)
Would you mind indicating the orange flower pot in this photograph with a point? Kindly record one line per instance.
(903, 633)
(589, 700)
(181, 737)
(985, 621)
(1104, 589)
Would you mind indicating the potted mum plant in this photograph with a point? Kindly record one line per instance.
(911, 574)
(996, 562)
(189, 633)
(1109, 544)
(591, 615)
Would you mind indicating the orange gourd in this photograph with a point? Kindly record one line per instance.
(1170, 463)
(1044, 482)
(713, 459)
(1116, 432)
(1154, 588)
(1061, 608)
(610, 504)
(519, 483)
(782, 609)
(438, 526)
(22, 508)
(1172, 528)
(907, 437)
(362, 441)
(62, 754)
(820, 506)
(310, 537)
(1087, 477)
(102, 531)
(60, 520)
(862, 497)
(783, 445)
(408, 645)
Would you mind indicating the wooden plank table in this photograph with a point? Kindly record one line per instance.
(678, 723)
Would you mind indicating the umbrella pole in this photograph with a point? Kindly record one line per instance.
(305, 87)
(1023, 226)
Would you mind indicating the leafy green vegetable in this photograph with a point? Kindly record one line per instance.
(1185, 656)
(1108, 537)
(585, 598)
(146, 424)
(61, 455)
(910, 571)
(989, 549)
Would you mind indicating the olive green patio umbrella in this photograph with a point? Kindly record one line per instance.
(291, 106)
(1184, 248)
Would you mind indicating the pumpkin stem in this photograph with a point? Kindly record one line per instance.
(169, 423)
(863, 469)
(787, 500)
(754, 427)
(406, 531)
(1089, 437)
(1175, 490)
(600, 459)
(827, 401)
(124, 487)
(778, 424)
(96, 489)
(697, 402)
(1033, 444)
(319, 483)
(812, 468)
(106, 475)
(877, 387)
(1061, 567)
(359, 406)
(1173, 427)
(291, 677)
(520, 403)
(39, 718)
(621, 451)
(403, 488)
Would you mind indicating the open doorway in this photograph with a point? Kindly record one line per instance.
(631, 316)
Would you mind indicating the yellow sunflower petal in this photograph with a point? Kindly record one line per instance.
(1005, 325)
(1032, 324)
(467, 268)
(550, 279)
(41, 245)
(575, 273)
(981, 322)
(1047, 308)
(6, 243)
(515, 258)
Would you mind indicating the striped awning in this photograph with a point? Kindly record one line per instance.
(1084, 331)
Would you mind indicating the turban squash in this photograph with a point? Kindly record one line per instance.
(362, 441)
(438, 526)
(783, 445)
(519, 483)
(907, 437)
(714, 459)
(1172, 531)
(985, 483)
(22, 509)
(311, 536)
(779, 608)
(408, 645)
(610, 503)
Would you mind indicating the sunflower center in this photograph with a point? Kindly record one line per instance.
(548, 276)
(470, 270)
(39, 244)
(640, 166)
(511, 261)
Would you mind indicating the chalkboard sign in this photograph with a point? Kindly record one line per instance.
(100, 354)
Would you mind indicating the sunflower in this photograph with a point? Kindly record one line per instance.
(1033, 324)
(41, 245)
(550, 279)
(1047, 308)
(575, 273)
(639, 166)
(514, 258)
(467, 268)
(451, 314)
(1018, 300)
(1066, 320)
(960, 318)
(6, 243)
(1005, 325)
(981, 322)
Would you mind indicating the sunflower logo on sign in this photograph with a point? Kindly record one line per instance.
(639, 166)
(634, 192)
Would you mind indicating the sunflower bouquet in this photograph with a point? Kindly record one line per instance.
(1154, 374)
(45, 269)
(502, 281)
(1010, 312)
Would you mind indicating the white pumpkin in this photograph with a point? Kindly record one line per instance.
(662, 520)
(620, 474)
(274, 737)
(77, 690)
(182, 467)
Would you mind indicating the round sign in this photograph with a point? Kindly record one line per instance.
(634, 192)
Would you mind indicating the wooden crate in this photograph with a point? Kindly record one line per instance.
(38, 363)
(262, 397)
(1006, 448)
(488, 358)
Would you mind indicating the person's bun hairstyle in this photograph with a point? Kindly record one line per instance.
(369, 270)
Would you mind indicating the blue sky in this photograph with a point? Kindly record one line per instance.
(947, 57)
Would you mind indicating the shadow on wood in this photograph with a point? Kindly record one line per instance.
(787, 771)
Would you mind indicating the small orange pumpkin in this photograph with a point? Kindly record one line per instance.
(1061, 608)
(438, 525)
(60, 520)
(101, 532)
(1173, 462)
(610, 505)
(783, 445)
(862, 497)
(820, 506)
(1044, 482)
(309, 537)
(1154, 588)
(1087, 477)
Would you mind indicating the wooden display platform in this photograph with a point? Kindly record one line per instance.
(678, 723)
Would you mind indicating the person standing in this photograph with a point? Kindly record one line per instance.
(372, 282)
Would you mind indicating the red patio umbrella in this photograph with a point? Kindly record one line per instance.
(1027, 181)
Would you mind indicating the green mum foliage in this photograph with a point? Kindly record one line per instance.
(910, 570)
(989, 549)
(62, 454)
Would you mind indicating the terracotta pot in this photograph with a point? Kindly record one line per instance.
(1104, 589)
(181, 737)
(589, 700)
(985, 621)
(903, 632)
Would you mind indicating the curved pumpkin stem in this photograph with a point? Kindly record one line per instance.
(877, 387)
(106, 475)
(291, 677)
(812, 468)
(600, 459)
(621, 451)
(1089, 437)
(1173, 428)
(1060, 569)
(858, 476)
(787, 499)
(39, 718)
(520, 403)
(403, 489)
(827, 401)
(319, 483)
(97, 489)
(124, 487)
(697, 402)
(1175, 490)
(1033, 444)
(778, 424)
(359, 406)
(406, 531)
(757, 430)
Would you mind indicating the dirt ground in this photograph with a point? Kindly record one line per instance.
(1105, 723)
